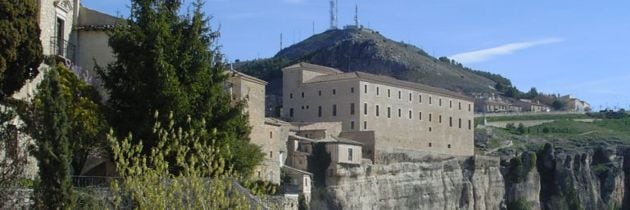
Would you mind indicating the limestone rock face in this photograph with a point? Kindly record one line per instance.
(553, 180)
(447, 183)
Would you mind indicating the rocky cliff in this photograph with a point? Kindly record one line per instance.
(546, 179)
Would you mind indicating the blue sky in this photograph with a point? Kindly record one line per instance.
(569, 47)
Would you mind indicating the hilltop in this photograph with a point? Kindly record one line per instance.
(359, 49)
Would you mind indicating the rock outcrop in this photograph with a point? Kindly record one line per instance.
(549, 179)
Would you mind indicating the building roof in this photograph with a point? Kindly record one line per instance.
(276, 121)
(297, 170)
(338, 75)
(313, 67)
(235, 73)
(92, 20)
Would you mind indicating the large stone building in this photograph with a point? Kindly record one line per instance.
(268, 133)
(382, 113)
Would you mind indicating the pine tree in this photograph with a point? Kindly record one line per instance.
(169, 63)
(20, 47)
(53, 153)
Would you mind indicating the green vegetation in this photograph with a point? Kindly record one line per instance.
(205, 180)
(53, 154)
(87, 125)
(20, 47)
(166, 62)
(519, 204)
(520, 167)
(534, 117)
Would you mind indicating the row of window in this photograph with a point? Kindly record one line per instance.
(389, 114)
(334, 92)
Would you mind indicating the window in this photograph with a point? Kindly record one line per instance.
(270, 154)
(377, 91)
(365, 108)
(430, 100)
(440, 119)
(389, 93)
(302, 94)
(449, 146)
(349, 154)
(291, 112)
(351, 90)
(430, 117)
(389, 112)
(351, 108)
(419, 115)
(410, 114)
(450, 104)
(364, 88)
(319, 92)
(319, 111)
(334, 111)
(60, 36)
(351, 125)
(364, 124)
(430, 145)
(410, 97)
(377, 111)
(291, 95)
(469, 107)
(334, 91)
(460, 105)
(419, 98)
(450, 121)
(399, 113)
(399, 94)
(271, 134)
(440, 102)
(430, 129)
(469, 125)
(460, 122)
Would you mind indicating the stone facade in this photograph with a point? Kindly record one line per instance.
(402, 115)
(268, 133)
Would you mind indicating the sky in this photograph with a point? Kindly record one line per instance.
(563, 46)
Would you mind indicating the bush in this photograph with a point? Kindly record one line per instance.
(520, 204)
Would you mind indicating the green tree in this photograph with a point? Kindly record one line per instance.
(87, 125)
(521, 128)
(206, 180)
(532, 93)
(166, 62)
(53, 148)
(558, 104)
(20, 47)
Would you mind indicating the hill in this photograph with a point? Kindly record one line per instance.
(359, 49)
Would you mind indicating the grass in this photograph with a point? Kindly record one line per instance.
(534, 117)
(566, 133)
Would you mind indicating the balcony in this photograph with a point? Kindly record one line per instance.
(62, 48)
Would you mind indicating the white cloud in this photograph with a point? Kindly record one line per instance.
(506, 49)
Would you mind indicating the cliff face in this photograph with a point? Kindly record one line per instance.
(426, 184)
(548, 179)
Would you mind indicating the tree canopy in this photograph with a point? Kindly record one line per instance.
(20, 47)
(168, 62)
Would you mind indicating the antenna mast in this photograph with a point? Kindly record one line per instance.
(280, 41)
(333, 14)
(356, 14)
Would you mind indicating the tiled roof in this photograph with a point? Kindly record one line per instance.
(313, 67)
(235, 73)
(383, 80)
